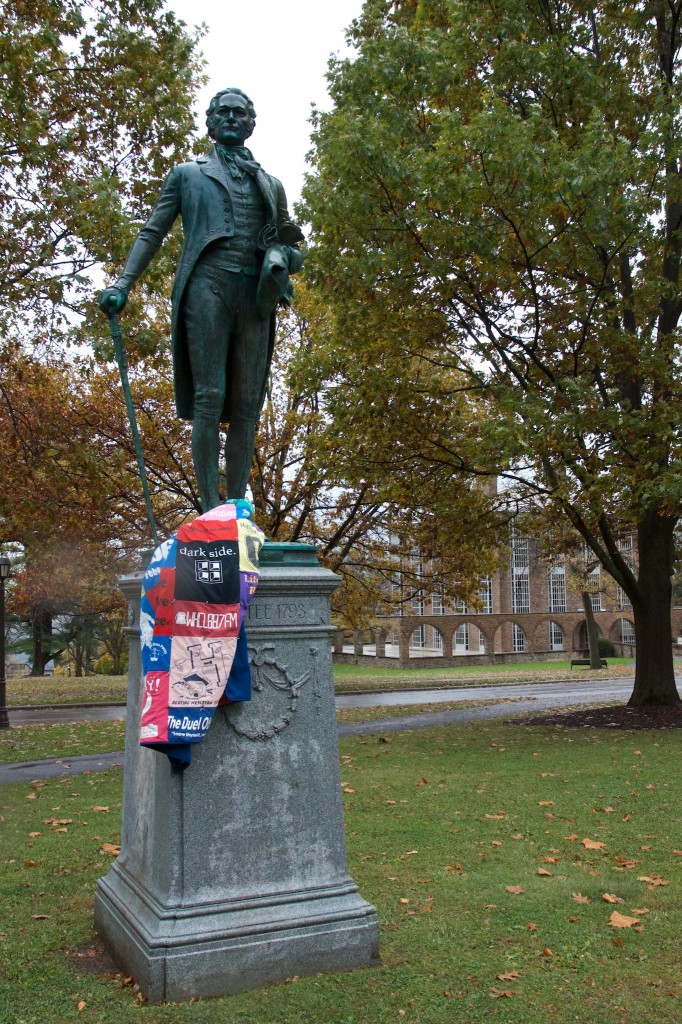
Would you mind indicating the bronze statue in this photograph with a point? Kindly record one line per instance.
(240, 246)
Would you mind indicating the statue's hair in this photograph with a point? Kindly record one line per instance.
(214, 104)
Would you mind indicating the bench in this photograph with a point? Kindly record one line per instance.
(586, 661)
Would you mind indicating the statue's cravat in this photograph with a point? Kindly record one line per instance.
(239, 161)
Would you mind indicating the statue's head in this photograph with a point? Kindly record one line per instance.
(231, 117)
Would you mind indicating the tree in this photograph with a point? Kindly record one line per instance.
(96, 105)
(496, 208)
(311, 483)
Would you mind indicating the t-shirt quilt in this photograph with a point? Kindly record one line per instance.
(195, 596)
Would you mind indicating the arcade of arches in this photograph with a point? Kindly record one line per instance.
(533, 609)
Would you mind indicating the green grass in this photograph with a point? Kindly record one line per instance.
(362, 677)
(31, 690)
(42, 742)
(439, 823)
(55, 690)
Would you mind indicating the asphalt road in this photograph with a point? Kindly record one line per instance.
(570, 691)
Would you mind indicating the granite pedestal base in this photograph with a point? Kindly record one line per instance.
(233, 873)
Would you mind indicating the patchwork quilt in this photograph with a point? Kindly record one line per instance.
(195, 595)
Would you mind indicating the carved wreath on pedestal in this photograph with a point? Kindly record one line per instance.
(268, 671)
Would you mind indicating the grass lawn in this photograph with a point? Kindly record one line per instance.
(43, 742)
(402, 710)
(31, 690)
(470, 841)
(112, 689)
(366, 677)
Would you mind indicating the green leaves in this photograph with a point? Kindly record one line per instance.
(96, 105)
(495, 213)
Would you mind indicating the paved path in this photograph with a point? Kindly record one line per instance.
(535, 697)
(604, 689)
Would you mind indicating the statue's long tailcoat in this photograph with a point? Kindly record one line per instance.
(199, 193)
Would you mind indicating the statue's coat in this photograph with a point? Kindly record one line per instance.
(198, 192)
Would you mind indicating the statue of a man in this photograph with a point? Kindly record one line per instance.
(240, 246)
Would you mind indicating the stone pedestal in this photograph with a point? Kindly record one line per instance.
(233, 873)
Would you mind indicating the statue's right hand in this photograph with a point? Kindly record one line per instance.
(112, 300)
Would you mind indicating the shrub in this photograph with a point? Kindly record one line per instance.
(606, 648)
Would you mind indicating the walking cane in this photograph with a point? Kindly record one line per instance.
(122, 361)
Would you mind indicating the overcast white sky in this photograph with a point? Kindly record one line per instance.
(277, 52)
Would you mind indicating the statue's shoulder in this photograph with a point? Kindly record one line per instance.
(274, 182)
(190, 166)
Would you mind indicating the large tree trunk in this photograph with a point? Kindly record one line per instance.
(592, 631)
(41, 629)
(654, 673)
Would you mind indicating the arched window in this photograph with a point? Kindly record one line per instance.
(556, 637)
(462, 638)
(627, 632)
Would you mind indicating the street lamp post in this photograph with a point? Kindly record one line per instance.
(5, 565)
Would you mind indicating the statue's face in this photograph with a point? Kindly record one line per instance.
(231, 122)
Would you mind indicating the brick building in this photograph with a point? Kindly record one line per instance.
(532, 607)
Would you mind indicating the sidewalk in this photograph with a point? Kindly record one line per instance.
(538, 699)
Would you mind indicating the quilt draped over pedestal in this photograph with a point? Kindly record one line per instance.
(195, 595)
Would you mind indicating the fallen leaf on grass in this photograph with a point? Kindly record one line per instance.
(545, 803)
(31, 796)
(505, 993)
(496, 842)
(404, 901)
(31, 863)
(423, 782)
(610, 898)
(509, 976)
(551, 860)
(579, 898)
(678, 853)
(515, 890)
(111, 848)
(34, 834)
(571, 839)
(622, 921)
(625, 862)
(517, 835)
(531, 926)
(644, 910)
(652, 880)
(547, 952)
(100, 808)
(347, 789)
(592, 844)
(81, 1005)
(410, 853)
(544, 873)
(495, 817)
